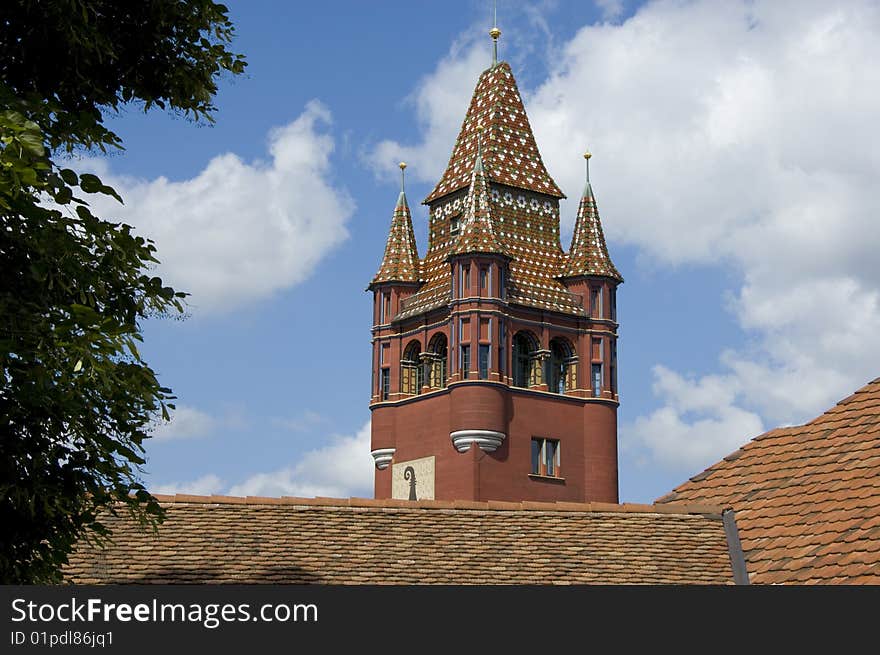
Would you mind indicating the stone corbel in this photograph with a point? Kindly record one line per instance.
(382, 457)
(487, 440)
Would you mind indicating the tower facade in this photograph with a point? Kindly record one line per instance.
(495, 355)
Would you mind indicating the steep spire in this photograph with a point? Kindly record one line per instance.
(588, 254)
(401, 260)
(495, 33)
(510, 154)
(477, 234)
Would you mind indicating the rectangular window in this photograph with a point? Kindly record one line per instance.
(596, 302)
(386, 308)
(502, 344)
(484, 361)
(466, 282)
(386, 383)
(484, 281)
(454, 224)
(465, 360)
(612, 301)
(545, 457)
(501, 283)
(597, 380)
(613, 364)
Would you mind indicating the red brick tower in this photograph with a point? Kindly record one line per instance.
(494, 357)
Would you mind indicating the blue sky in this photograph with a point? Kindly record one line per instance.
(735, 161)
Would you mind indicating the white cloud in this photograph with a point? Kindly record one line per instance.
(307, 420)
(341, 469)
(186, 423)
(736, 134)
(698, 424)
(240, 231)
(611, 9)
(440, 101)
(206, 485)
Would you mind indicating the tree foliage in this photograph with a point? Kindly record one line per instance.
(77, 400)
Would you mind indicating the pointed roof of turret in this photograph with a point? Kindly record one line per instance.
(510, 154)
(477, 233)
(401, 260)
(588, 254)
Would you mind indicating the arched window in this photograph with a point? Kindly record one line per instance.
(524, 363)
(411, 375)
(561, 367)
(436, 361)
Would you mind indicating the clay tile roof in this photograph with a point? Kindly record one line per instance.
(477, 234)
(807, 498)
(510, 153)
(401, 260)
(588, 254)
(216, 539)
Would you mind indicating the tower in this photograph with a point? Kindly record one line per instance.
(494, 356)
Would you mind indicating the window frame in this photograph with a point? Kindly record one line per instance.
(385, 383)
(540, 464)
(483, 360)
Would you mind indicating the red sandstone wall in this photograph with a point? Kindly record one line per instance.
(586, 430)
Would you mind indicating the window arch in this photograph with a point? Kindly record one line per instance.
(561, 366)
(436, 361)
(525, 368)
(411, 373)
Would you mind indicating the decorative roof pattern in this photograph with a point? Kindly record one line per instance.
(477, 235)
(401, 260)
(527, 226)
(510, 153)
(352, 541)
(588, 254)
(807, 498)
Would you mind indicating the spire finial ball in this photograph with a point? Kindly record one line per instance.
(587, 154)
(402, 165)
(495, 33)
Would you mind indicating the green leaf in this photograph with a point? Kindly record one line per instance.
(78, 366)
(69, 177)
(90, 183)
(64, 195)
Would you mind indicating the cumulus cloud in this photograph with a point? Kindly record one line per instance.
(440, 100)
(206, 485)
(698, 423)
(303, 422)
(735, 134)
(186, 423)
(611, 9)
(340, 469)
(239, 231)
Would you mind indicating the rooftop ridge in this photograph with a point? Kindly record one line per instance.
(490, 505)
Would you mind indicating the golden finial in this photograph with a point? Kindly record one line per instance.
(402, 166)
(495, 33)
(587, 156)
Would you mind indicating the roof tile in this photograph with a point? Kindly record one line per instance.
(806, 497)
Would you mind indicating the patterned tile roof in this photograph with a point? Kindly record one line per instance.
(522, 215)
(510, 153)
(296, 541)
(401, 260)
(477, 234)
(588, 254)
(807, 498)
